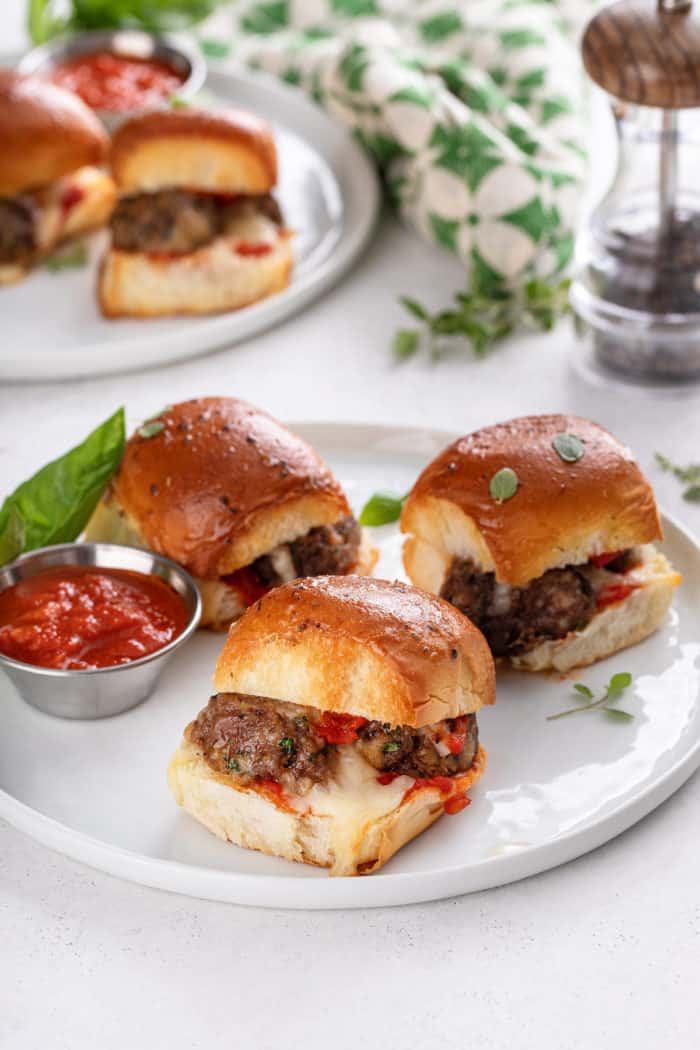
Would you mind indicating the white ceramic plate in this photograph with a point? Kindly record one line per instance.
(329, 195)
(552, 791)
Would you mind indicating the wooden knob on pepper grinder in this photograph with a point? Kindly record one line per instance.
(646, 52)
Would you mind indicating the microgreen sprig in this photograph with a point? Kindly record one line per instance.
(690, 476)
(614, 690)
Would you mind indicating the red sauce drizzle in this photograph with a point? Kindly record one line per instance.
(601, 560)
(249, 248)
(273, 791)
(117, 83)
(616, 593)
(248, 585)
(81, 617)
(339, 729)
(71, 196)
(455, 801)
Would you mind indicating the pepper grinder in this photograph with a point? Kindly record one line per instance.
(636, 294)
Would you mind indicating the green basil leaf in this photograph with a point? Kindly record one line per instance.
(503, 485)
(569, 447)
(55, 504)
(42, 22)
(692, 494)
(381, 509)
(616, 714)
(12, 537)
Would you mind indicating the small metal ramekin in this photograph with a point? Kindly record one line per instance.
(182, 55)
(102, 691)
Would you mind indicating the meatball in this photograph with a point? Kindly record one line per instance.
(514, 620)
(166, 221)
(560, 601)
(327, 550)
(419, 752)
(18, 223)
(254, 738)
(470, 590)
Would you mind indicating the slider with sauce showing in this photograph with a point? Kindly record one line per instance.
(50, 189)
(344, 723)
(541, 530)
(196, 230)
(235, 498)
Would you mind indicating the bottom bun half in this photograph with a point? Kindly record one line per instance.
(351, 828)
(613, 628)
(211, 280)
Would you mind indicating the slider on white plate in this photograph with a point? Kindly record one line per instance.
(343, 723)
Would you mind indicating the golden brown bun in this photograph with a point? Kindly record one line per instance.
(211, 280)
(355, 832)
(222, 484)
(96, 197)
(562, 513)
(214, 151)
(45, 132)
(614, 627)
(359, 646)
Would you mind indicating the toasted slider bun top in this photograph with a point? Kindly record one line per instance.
(223, 483)
(217, 151)
(360, 646)
(562, 513)
(45, 133)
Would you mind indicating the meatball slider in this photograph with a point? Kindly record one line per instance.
(236, 498)
(196, 230)
(344, 723)
(541, 530)
(50, 190)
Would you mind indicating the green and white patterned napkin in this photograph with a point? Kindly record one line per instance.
(473, 111)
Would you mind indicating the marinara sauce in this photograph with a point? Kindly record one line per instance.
(79, 617)
(117, 83)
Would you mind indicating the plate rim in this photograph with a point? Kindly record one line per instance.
(228, 328)
(383, 889)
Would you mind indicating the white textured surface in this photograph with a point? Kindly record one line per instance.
(600, 953)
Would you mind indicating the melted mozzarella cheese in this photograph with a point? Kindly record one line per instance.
(354, 788)
(281, 558)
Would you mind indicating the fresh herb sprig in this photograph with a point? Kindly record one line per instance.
(614, 690)
(483, 317)
(690, 476)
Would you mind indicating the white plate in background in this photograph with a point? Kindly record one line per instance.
(50, 324)
(552, 791)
